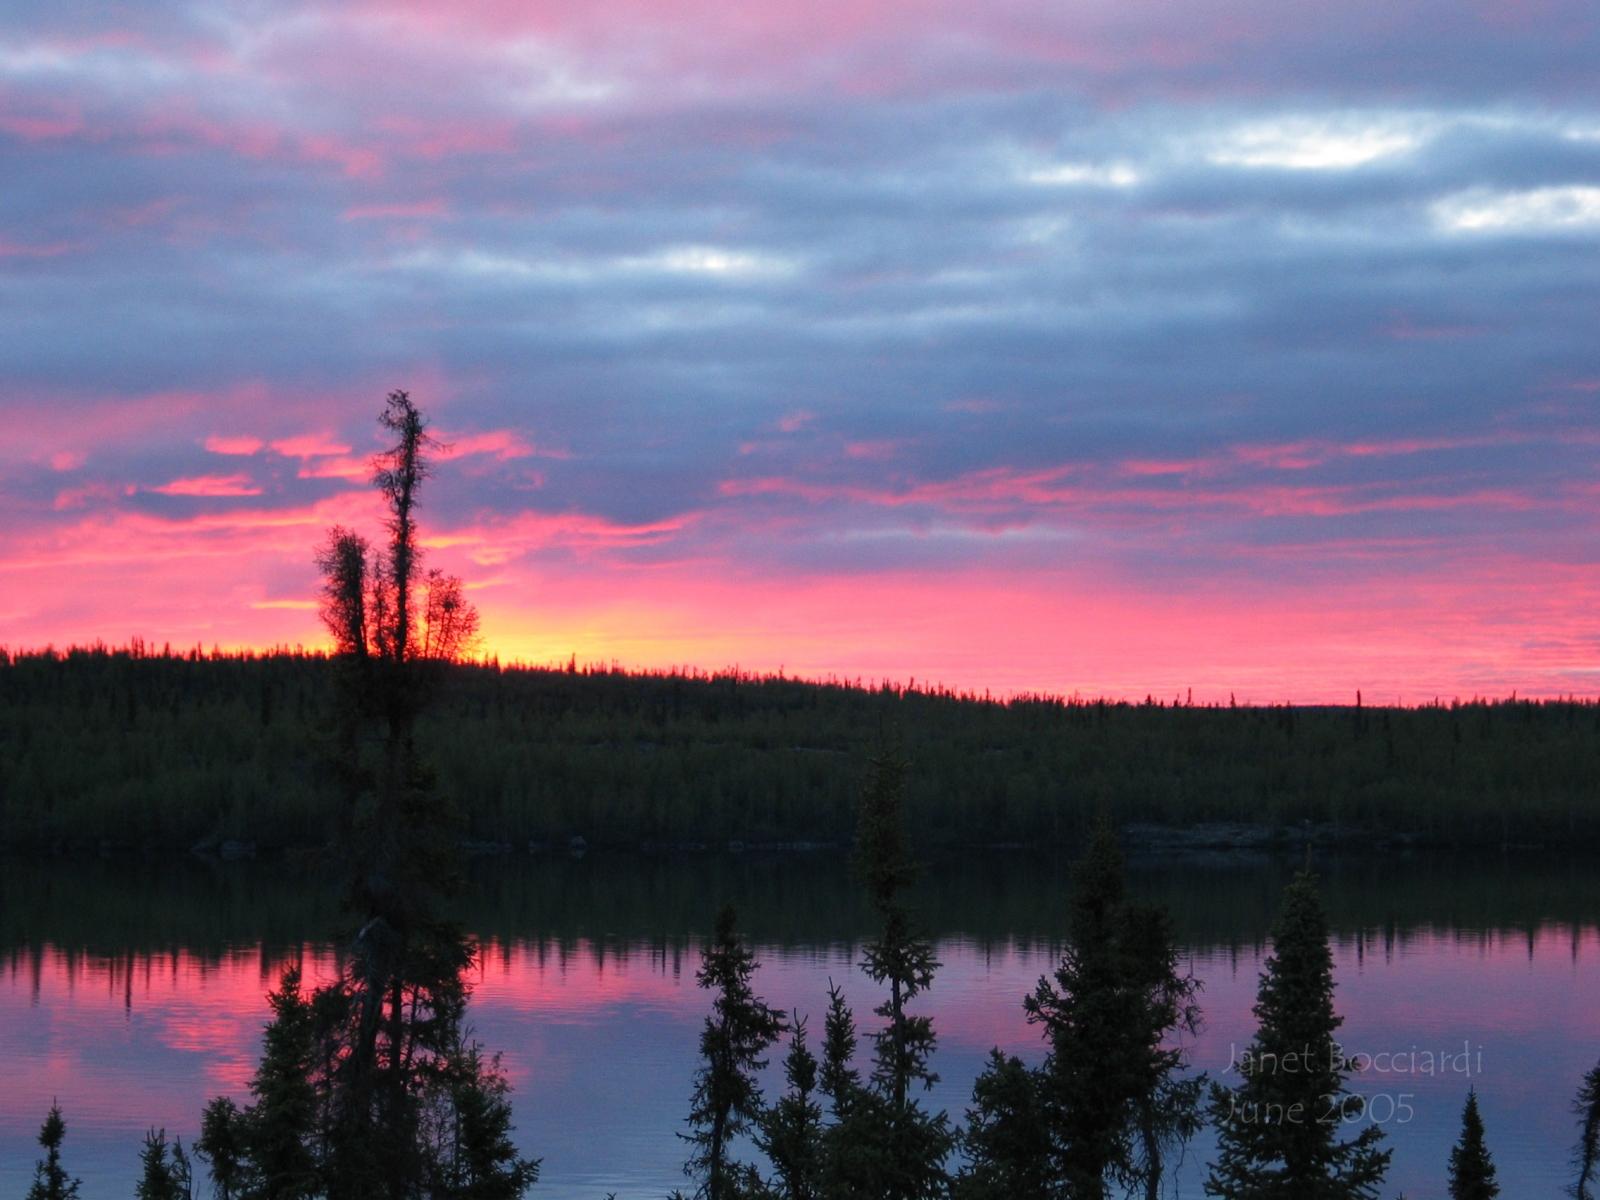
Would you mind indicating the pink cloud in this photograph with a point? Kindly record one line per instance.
(877, 451)
(310, 445)
(210, 485)
(495, 542)
(499, 443)
(339, 467)
(233, 445)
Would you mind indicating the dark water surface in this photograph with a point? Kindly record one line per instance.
(133, 991)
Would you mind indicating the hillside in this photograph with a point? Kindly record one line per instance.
(148, 750)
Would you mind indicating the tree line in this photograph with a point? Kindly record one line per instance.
(141, 747)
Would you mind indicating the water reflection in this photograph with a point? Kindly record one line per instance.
(133, 992)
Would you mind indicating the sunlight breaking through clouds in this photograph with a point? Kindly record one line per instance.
(709, 260)
(1315, 143)
(1541, 210)
(1118, 175)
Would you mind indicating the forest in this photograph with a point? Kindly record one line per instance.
(137, 748)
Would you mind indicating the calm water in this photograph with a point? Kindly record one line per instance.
(134, 992)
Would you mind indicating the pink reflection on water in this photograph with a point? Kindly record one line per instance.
(599, 1041)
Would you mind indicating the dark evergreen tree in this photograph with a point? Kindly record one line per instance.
(790, 1132)
(883, 1143)
(840, 1080)
(1278, 1131)
(727, 1099)
(1007, 1138)
(279, 1132)
(220, 1146)
(1109, 1098)
(1165, 1104)
(366, 1090)
(1586, 1157)
(50, 1180)
(482, 1162)
(1471, 1168)
(165, 1170)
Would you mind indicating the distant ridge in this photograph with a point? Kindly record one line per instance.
(128, 748)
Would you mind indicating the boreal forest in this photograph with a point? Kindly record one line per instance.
(134, 748)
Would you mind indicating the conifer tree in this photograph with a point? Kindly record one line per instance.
(1109, 1098)
(220, 1146)
(366, 1088)
(883, 1143)
(840, 1080)
(1278, 1131)
(50, 1181)
(1007, 1138)
(163, 1176)
(279, 1131)
(790, 1132)
(1165, 1104)
(727, 1098)
(482, 1163)
(1471, 1168)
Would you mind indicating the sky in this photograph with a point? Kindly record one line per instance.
(1079, 347)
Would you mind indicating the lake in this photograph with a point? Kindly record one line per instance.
(133, 991)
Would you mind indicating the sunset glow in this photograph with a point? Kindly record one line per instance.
(1124, 350)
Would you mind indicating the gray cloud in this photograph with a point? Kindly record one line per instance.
(836, 326)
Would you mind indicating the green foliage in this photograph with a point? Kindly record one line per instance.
(1008, 1137)
(481, 1162)
(882, 851)
(278, 1130)
(790, 1132)
(1278, 1131)
(727, 1099)
(50, 1180)
(882, 1142)
(221, 1147)
(165, 1170)
(1471, 1168)
(1109, 1098)
(160, 749)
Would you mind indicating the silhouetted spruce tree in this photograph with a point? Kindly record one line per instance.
(270, 1150)
(1109, 1098)
(1471, 1168)
(1587, 1155)
(220, 1147)
(1278, 1131)
(883, 1143)
(1165, 1105)
(727, 1099)
(1007, 1138)
(367, 1089)
(482, 1162)
(790, 1132)
(165, 1170)
(50, 1181)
